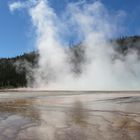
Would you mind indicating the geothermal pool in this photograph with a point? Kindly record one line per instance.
(69, 115)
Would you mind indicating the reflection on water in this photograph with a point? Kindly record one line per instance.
(69, 117)
(23, 107)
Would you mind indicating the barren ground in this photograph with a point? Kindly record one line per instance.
(69, 115)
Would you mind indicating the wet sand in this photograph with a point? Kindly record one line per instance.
(69, 115)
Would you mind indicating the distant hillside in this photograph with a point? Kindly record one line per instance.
(125, 44)
(13, 71)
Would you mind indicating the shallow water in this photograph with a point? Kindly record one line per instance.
(42, 115)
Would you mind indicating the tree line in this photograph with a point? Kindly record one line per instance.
(10, 75)
(13, 74)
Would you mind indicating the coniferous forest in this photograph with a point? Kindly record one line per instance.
(13, 71)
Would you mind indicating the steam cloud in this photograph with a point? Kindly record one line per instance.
(100, 67)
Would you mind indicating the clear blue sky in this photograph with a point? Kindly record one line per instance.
(15, 35)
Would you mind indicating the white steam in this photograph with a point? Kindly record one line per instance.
(103, 68)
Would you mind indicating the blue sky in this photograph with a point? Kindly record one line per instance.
(15, 29)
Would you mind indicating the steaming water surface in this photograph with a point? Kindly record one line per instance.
(71, 115)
